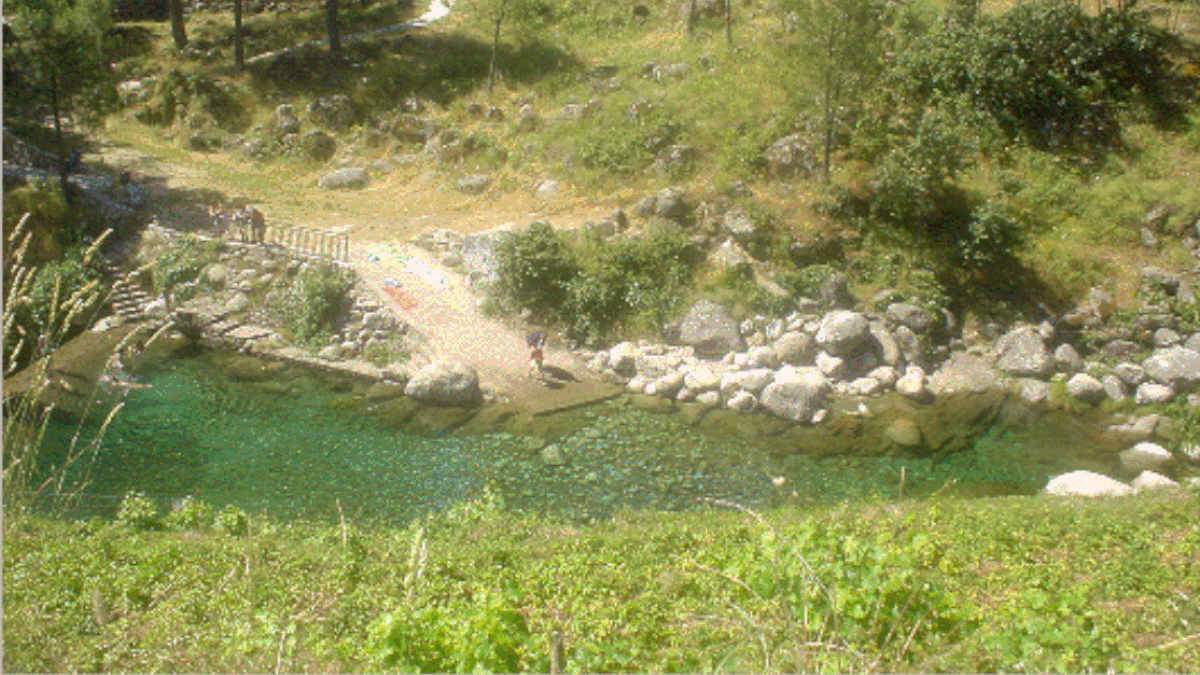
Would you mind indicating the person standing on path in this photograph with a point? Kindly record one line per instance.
(536, 342)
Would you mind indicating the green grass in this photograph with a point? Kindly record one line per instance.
(1024, 584)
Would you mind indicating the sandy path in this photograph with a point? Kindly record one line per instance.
(438, 303)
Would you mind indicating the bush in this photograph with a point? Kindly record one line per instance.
(628, 278)
(190, 514)
(183, 261)
(233, 521)
(193, 94)
(486, 636)
(534, 268)
(309, 306)
(1045, 71)
(139, 512)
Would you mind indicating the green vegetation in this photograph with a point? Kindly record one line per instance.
(177, 269)
(596, 286)
(308, 306)
(1025, 584)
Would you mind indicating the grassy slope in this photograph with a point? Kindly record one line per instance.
(1017, 584)
(730, 105)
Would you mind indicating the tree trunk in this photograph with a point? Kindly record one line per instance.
(691, 17)
(56, 107)
(729, 23)
(331, 20)
(178, 32)
(239, 49)
(495, 48)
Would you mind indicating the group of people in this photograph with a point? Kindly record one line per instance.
(246, 224)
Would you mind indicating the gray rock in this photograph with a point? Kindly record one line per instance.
(789, 156)
(888, 347)
(623, 358)
(864, 386)
(1022, 352)
(710, 329)
(709, 399)
(1165, 337)
(763, 357)
(1150, 392)
(701, 378)
(1160, 278)
(912, 384)
(964, 373)
(330, 353)
(1034, 391)
(445, 383)
(667, 386)
(885, 375)
(1085, 388)
(1066, 359)
(1130, 373)
(729, 255)
(795, 348)
(843, 332)
(1086, 484)
(834, 291)
(1145, 456)
(912, 316)
(1177, 367)
(637, 384)
(239, 303)
(912, 346)
(669, 203)
(1116, 349)
(1193, 342)
(217, 274)
(1149, 239)
(1150, 480)
(286, 120)
(831, 366)
(473, 184)
(675, 159)
(1114, 388)
(553, 455)
(904, 433)
(742, 400)
(739, 225)
(796, 393)
(335, 112)
(753, 380)
(345, 179)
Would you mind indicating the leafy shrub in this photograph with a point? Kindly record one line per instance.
(183, 261)
(486, 636)
(193, 94)
(310, 305)
(139, 512)
(1045, 71)
(190, 514)
(233, 521)
(990, 236)
(533, 270)
(626, 278)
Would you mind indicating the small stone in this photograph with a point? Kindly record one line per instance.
(1114, 388)
(1165, 337)
(1150, 392)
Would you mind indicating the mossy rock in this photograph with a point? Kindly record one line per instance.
(652, 404)
(395, 413)
(491, 419)
(382, 391)
(439, 419)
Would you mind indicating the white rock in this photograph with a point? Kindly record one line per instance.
(742, 400)
(753, 381)
(1086, 388)
(885, 375)
(1149, 480)
(637, 385)
(1034, 391)
(701, 378)
(912, 383)
(833, 367)
(1145, 456)
(763, 357)
(623, 358)
(1086, 484)
(709, 398)
(864, 386)
(1150, 392)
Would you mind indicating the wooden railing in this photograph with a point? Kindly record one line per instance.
(303, 240)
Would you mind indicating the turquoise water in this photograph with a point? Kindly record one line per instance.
(297, 447)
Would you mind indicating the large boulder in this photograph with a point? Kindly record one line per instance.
(964, 373)
(796, 393)
(333, 112)
(710, 329)
(1145, 456)
(1022, 352)
(795, 348)
(445, 383)
(1086, 484)
(1176, 367)
(843, 332)
(344, 179)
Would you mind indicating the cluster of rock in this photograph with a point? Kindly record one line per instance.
(1147, 461)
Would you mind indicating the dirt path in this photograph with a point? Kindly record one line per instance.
(438, 303)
